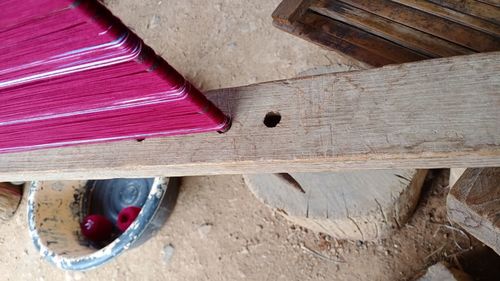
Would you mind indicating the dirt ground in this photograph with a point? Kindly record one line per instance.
(218, 230)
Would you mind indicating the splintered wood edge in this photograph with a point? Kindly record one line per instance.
(473, 203)
(429, 114)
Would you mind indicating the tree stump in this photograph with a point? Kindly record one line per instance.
(357, 205)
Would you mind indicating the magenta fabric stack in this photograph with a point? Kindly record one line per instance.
(71, 73)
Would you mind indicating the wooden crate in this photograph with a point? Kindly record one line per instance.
(381, 32)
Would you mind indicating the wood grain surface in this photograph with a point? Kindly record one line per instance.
(474, 203)
(416, 40)
(472, 7)
(288, 11)
(450, 14)
(429, 114)
(353, 205)
(431, 24)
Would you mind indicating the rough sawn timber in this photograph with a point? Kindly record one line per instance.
(430, 114)
(474, 204)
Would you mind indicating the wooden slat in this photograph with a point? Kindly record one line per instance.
(429, 114)
(401, 34)
(468, 20)
(495, 3)
(442, 28)
(288, 11)
(316, 35)
(359, 37)
(354, 42)
(472, 7)
(474, 203)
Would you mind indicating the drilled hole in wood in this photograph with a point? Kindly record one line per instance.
(272, 119)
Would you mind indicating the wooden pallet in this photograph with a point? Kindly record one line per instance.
(381, 32)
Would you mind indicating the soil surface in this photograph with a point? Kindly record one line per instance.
(218, 230)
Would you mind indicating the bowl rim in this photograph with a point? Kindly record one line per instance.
(107, 253)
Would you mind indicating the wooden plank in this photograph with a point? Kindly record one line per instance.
(353, 205)
(437, 26)
(452, 15)
(474, 204)
(495, 3)
(411, 38)
(472, 7)
(371, 45)
(311, 32)
(358, 44)
(288, 11)
(428, 114)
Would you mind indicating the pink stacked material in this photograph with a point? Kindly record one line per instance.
(72, 73)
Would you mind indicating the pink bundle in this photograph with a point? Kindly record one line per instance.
(71, 72)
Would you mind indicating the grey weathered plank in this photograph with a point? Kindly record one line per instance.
(429, 114)
(474, 203)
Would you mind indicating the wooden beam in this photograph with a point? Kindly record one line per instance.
(429, 114)
(474, 204)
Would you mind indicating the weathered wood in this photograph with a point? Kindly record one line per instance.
(362, 45)
(412, 30)
(474, 204)
(414, 39)
(327, 40)
(356, 43)
(10, 197)
(495, 3)
(288, 11)
(472, 7)
(355, 205)
(429, 114)
(428, 23)
(453, 15)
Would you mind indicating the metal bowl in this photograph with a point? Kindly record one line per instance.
(56, 208)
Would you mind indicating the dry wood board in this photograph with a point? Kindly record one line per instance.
(474, 204)
(381, 32)
(429, 114)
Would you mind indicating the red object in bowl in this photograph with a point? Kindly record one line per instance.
(126, 217)
(96, 227)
